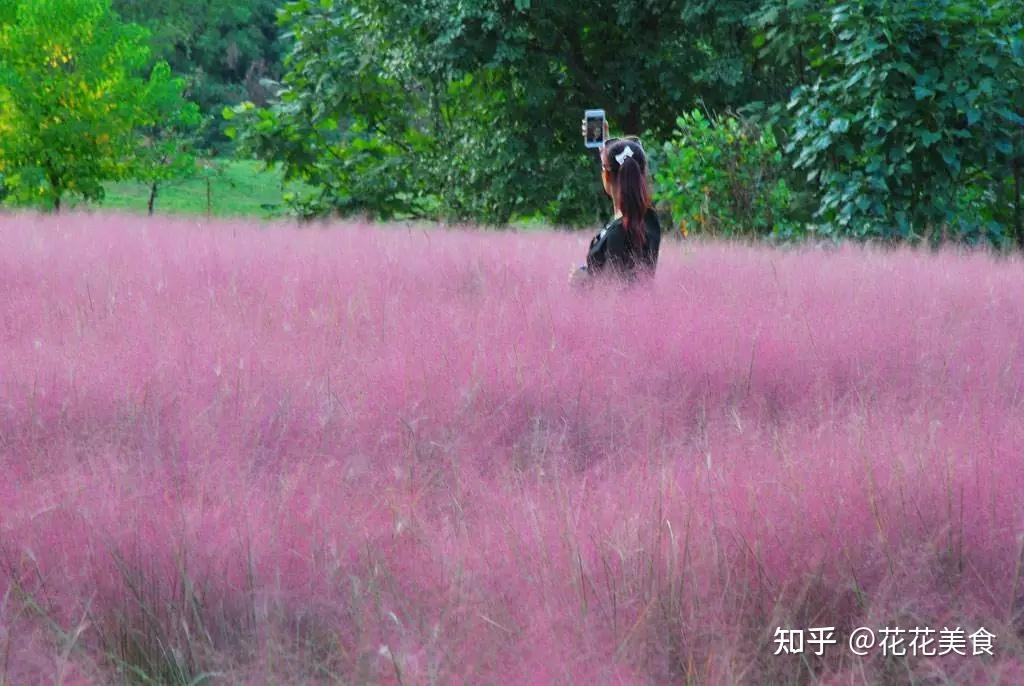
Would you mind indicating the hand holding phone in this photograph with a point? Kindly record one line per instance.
(595, 128)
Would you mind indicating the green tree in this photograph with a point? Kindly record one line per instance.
(225, 49)
(470, 109)
(725, 176)
(908, 115)
(6, 130)
(166, 151)
(72, 99)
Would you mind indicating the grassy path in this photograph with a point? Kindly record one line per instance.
(237, 188)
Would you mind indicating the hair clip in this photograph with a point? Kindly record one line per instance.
(621, 157)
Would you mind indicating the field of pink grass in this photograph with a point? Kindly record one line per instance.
(404, 455)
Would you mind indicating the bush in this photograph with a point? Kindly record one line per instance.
(909, 117)
(723, 175)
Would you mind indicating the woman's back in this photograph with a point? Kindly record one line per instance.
(615, 249)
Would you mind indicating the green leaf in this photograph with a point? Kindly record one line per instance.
(839, 125)
(950, 157)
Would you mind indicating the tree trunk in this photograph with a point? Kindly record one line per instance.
(56, 187)
(631, 122)
(1018, 211)
(152, 198)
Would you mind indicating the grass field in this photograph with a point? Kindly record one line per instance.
(237, 188)
(404, 455)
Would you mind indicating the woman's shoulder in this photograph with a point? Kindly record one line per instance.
(601, 238)
(615, 230)
(612, 227)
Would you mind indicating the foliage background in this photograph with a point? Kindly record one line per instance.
(227, 50)
(874, 120)
(78, 107)
(908, 117)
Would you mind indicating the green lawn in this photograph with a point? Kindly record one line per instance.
(239, 188)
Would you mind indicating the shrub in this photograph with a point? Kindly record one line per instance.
(909, 116)
(723, 175)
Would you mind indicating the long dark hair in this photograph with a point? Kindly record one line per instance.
(629, 183)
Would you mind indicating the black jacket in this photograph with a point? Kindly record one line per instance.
(612, 250)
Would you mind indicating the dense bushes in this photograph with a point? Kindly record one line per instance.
(866, 119)
(227, 51)
(906, 121)
(907, 117)
(724, 175)
(469, 110)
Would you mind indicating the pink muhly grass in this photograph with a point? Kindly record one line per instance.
(407, 455)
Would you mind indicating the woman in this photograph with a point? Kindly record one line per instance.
(628, 246)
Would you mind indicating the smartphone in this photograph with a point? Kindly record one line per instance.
(595, 128)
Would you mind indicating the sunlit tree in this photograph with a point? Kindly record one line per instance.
(74, 98)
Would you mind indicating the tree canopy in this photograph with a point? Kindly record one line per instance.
(470, 110)
(73, 97)
(891, 119)
(897, 119)
(225, 49)
(908, 117)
